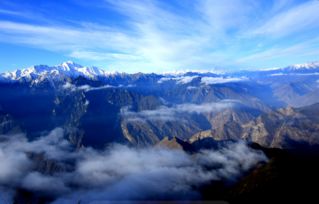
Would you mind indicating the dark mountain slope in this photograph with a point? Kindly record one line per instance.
(289, 176)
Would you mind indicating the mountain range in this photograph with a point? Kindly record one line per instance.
(272, 107)
(235, 136)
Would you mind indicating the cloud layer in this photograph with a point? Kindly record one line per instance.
(86, 88)
(165, 113)
(116, 173)
(221, 80)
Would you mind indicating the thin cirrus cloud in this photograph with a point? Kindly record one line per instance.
(296, 19)
(153, 35)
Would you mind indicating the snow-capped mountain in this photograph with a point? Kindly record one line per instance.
(297, 69)
(66, 69)
(142, 109)
(69, 69)
(308, 67)
(311, 65)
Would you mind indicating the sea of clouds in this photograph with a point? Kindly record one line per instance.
(117, 172)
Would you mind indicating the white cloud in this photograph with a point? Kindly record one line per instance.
(192, 87)
(111, 174)
(154, 172)
(206, 107)
(13, 165)
(179, 80)
(10, 12)
(271, 55)
(221, 80)
(54, 144)
(157, 36)
(162, 113)
(98, 56)
(165, 113)
(39, 182)
(291, 21)
(228, 14)
(86, 88)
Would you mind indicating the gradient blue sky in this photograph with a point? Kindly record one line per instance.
(156, 36)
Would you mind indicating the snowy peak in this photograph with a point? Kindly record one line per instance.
(307, 69)
(312, 65)
(70, 69)
(70, 65)
(66, 69)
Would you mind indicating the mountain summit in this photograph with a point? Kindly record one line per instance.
(66, 69)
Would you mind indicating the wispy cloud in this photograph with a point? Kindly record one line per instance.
(10, 12)
(63, 37)
(158, 36)
(165, 113)
(309, 47)
(179, 79)
(221, 80)
(289, 22)
(85, 88)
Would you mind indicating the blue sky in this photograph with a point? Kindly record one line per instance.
(159, 35)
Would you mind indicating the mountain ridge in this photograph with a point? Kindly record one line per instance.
(72, 69)
(142, 109)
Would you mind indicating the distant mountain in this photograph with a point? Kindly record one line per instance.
(283, 128)
(300, 67)
(71, 70)
(96, 107)
(39, 73)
